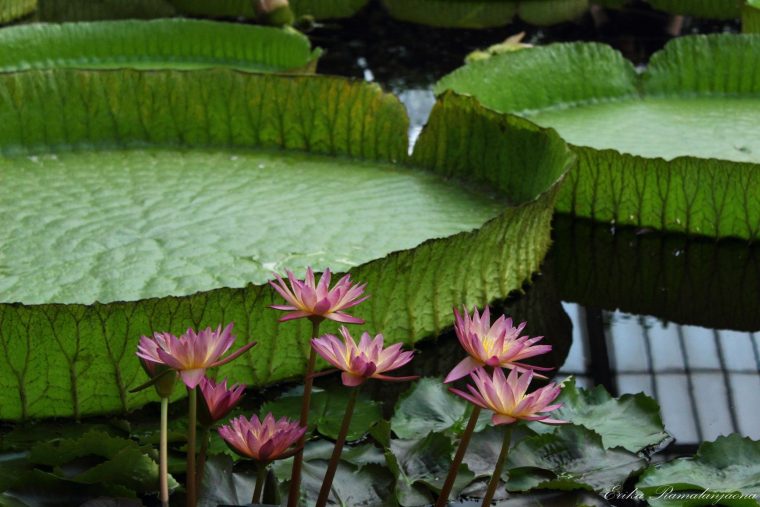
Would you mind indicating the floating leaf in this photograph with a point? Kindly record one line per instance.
(429, 407)
(726, 471)
(420, 467)
(181, 233)
(717, 9)
(485, 13)
(319, 9)
(160, 44)
(365, 484)
(572, 457)
(654, 148)
(326, 412)
(14, 9)
(631, 421)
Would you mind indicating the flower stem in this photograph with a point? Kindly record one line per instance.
(499, 466)
(261, 479)
(202, 456)
(163, 453)
(324, 492)
(295, 477)
(192, 416)
(464, 442)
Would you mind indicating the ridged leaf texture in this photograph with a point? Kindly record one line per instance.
(709, 184)
(78, 359)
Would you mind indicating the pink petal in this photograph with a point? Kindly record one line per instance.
(351, 380)
(464, 367)
(502, 419)
(192, 378)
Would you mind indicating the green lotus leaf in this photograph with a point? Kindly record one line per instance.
(326, 412)
(648, 273)
(357, 482)
(429, 406)
(137, 202)
(675, 148)
(420, 467)
(160, 44)
(572, 457)
(611, 418)
(14, 9)
(484, 13)
(751, 17)
(725, 471)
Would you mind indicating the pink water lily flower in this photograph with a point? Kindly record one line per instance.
(218, 399)
(360, 362)
(317, 300)
(192, 353)
(507, 397)
(263, 441)
(498, 345)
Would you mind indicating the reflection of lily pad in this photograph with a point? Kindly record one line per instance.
(169, 183)
(624, 124)
(610, 417)
(730, 466)
(164, 43)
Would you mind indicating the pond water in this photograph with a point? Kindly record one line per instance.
(633, 310)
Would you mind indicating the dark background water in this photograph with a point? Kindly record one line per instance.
(633, 310)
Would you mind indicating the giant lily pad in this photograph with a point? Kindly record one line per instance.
(751, 16)
(485, 13)
(163, 200)
(319, 9)
(674, 148)
(164, 43)
(13, 9)
(725, 471)
(718, 9)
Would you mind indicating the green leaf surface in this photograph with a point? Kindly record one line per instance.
(572, 457)
(420, 467)
(611, 418)
(730, 465)
(166, 43)
(485, 13)
(11, 10)
(319, 9)
(751, 17)
(429, 407)
(326, 412)
(211, 168)
(356, 482)
(675, 148)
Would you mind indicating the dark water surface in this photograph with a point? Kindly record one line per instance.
(633, 310)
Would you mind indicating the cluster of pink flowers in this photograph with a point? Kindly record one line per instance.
(496, 346)
(490, 348)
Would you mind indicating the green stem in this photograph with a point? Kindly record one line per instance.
(261, 479)
(496, 477)
(464, 442)
(192, 417)
(324, 492)
(295, 476)
(163, 453)
(202, 457)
